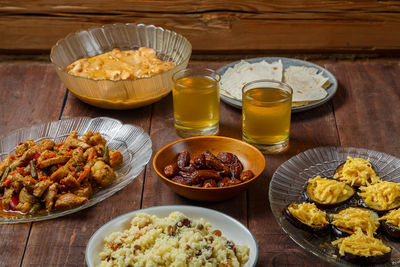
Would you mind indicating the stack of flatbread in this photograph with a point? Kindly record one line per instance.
(308, 83)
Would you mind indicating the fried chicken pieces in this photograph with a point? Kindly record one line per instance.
(46, 176)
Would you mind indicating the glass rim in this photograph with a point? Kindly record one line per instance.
(217, 77)
(269, 81)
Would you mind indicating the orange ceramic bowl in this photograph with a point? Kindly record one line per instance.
(251, 158)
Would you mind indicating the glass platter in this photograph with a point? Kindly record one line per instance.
(230, 228)
(288, 183)
(134, 144)
(286, 62)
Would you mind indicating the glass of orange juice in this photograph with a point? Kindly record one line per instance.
(266, 110)
(196, 102)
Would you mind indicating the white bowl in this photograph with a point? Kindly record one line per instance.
(230, 228)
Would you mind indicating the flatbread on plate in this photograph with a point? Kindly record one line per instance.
(306, 82)
(233, 80)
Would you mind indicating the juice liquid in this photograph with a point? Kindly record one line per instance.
(266, 115)
(196, 102)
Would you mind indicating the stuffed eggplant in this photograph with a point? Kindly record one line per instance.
(308, 217)
(328, 193)
(391, 224)
(356, 172)
(348, 220)
(362, 249)
(380, 197)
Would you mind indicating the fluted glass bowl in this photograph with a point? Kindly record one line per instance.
(122, 94)
(132, 141)
(288, 184)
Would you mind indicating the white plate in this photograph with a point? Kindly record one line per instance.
(132, 141)
(286, 62)
(230, 228)
(288, 184)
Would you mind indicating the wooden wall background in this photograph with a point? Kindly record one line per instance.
(214, 27)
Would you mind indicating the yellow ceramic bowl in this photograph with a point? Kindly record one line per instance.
(251, 158)
(123, 94)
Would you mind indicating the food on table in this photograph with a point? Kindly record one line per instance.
(360, 248)
(381, 197)
(44, 176)
(348, 220)
(355, 221)
(308, 217)
(308, 83)
(175, 240)
(391, 224)
(207, 170)
(234, 78)
(120, 65)
(328, 193)
(356, 172)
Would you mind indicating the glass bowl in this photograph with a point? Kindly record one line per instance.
(122, 94)
(133, 142)
(288, 183)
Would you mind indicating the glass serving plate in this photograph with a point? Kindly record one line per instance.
(286, 62)
(134, 144)
(288, 184)
(230, 228)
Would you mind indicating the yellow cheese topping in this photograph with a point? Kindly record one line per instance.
(357, 171)
(353, 218)
(120, 65)
(392, 217)
(309, 214)
(381, 196)
(327, 191)
(361, 245)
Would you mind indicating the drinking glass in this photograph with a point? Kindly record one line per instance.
(266, 111)
(196, 102)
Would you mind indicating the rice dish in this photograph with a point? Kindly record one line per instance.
(171, 241)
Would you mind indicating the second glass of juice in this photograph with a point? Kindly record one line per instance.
(196, 102)
(266, 111)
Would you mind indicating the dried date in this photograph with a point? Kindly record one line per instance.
(209, 183)
(183, 159)
(236, 170)
(199, 162)
(246, 175)
(171, 170)
(181, 180)
(188, 169)
(213, 163)
(207, 170)
(187, 175)
(201, 175)
(227, 158)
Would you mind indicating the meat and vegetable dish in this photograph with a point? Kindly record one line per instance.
(44, 176)
(207, 170)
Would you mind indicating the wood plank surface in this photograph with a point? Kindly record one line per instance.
(285, 25)
(362, 114)
(367, 111)
(73, 231)
(163, 133)
(23, 90)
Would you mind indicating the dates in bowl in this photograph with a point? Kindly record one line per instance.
(209, 168)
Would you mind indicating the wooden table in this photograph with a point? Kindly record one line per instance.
(363, 113)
